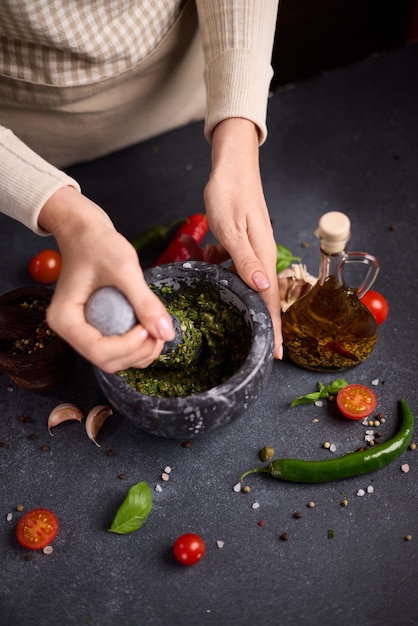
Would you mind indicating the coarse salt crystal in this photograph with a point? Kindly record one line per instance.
(375, 382)
(48, 550)
(365, 422)
(255, 505)
(405, 468)
(368, 437)
(237, 487)
(158, 488)
(370, 489)
(167, 469)
(361, 492)
(9, 517)
(318, 403)
(220, 543)
(369, 431)
(332, 447)
(165, 476)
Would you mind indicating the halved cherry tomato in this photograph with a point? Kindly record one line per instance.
(356, 401)
(45, 267)
(189, 549)
(37, 529)
(377, 304)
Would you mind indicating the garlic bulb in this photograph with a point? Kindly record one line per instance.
(294, 282)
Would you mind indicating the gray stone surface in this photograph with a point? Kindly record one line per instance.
(347, 141)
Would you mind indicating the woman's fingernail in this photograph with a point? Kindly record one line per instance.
(260, 279)
(144, 334)
(165, 329)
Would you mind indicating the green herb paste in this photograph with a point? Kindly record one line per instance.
(216, 342)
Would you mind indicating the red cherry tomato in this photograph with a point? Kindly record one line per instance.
(45, 267)
(189, 549)
(377, 304)
(356, 401)
(37, 529)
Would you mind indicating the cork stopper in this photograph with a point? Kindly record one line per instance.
(333, 231)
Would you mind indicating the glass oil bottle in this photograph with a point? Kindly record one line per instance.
(329, 328)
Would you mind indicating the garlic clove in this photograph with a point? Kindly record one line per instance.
(95, 420)
(62, 413)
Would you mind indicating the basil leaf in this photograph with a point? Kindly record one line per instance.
(133, 511)
(310, 398)
(336, 386)
(284, 258)
(325, 391)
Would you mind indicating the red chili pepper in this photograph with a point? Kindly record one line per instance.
(197, 226)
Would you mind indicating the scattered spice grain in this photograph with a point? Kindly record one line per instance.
(285, 536)
(266, 453)
(25, 419)
(311, 505)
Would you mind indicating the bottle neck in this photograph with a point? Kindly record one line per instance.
(331, 265)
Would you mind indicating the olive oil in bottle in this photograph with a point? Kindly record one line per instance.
(329, 328)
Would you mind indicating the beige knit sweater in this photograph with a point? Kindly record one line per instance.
(71, 65)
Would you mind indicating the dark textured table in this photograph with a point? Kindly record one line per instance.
(347, 141)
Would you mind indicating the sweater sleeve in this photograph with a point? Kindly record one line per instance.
(237, 37)
(26, 181)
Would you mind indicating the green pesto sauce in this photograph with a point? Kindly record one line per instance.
(216, 342)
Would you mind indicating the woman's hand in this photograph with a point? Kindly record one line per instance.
(238, 215)
(95, 255)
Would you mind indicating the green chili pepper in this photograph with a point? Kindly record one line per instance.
(347, 466)
(153, 234)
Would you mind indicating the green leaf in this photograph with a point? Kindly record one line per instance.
(284, 258)
(133, 511)
(325, 391)
(310, 398)
(335, 387)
